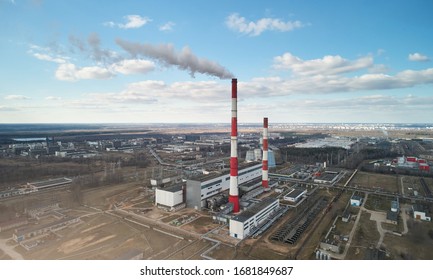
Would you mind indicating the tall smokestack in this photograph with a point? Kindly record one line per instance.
(265, 182)
(234, 192)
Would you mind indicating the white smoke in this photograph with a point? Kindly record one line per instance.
(93, 49)
(185, 59)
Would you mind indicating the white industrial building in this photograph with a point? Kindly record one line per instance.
(356, 200)
(170, 197)
(205, 186)
(294, 195)
(328, 177)
(244, 223)
(420, 213)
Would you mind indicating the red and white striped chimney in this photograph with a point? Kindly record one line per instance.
(265, 182)
(234, 192)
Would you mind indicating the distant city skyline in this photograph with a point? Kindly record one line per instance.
(172, 61)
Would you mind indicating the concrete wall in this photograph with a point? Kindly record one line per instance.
(193, 194)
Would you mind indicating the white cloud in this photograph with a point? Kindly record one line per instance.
(240, 24)
(199, 91)
(16, 97)
(135, 21)
(168, 26)
(46, 54)
(47, 57)
(203, 92)
(110, 24)
(328, 65)
(418, 57)
(55, 98)
(126, 97)
(7, 109)
(378, 102)
(133, 66)
(132, 21)
(70, 72)
(378, 68)
(153, 91)
(111, 101)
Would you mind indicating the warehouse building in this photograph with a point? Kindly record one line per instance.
(243, 224)
(294, 195)
(328, 177)
(205, 186)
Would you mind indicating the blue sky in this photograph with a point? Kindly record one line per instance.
(171, 61)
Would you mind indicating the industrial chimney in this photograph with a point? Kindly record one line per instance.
(265, 182)
(234, 192)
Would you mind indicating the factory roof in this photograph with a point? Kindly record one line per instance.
(256, 208)
(295, 193)
(327, 176)
(210, 176)
(327, 142)
(251, 182)
(173, 189)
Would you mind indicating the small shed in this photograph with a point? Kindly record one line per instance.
(346, 216)
(420, 212)
(356, 200)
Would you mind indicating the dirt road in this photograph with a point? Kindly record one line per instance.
(9, 250)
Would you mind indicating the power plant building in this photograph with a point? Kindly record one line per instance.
(243, 224)
(205, 186)
(170, 197)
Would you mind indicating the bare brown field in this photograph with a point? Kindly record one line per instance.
(376, 181)
(366, 235)
(417, 244)
(200, 225)
(378, 203)
(4, 256)
(101, 234)
(223, 252)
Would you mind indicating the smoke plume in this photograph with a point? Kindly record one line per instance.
(185, 59)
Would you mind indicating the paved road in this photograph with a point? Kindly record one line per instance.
(378, 217)
(9, 250)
